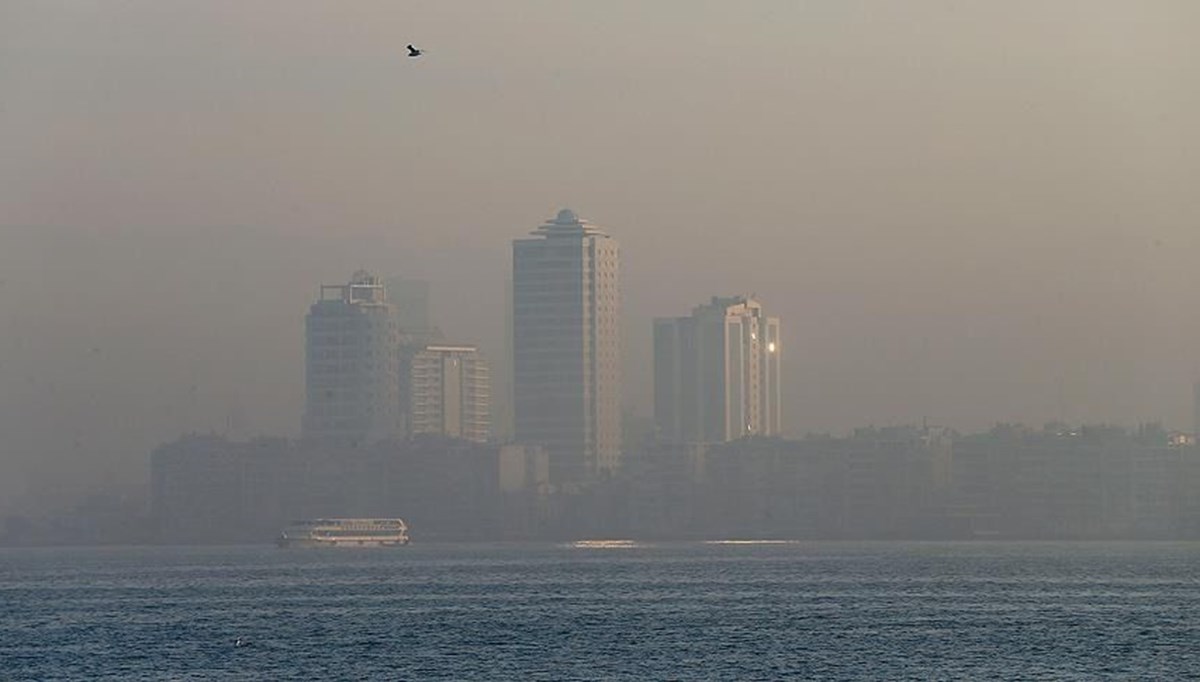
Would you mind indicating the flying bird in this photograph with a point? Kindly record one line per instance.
(413, 52)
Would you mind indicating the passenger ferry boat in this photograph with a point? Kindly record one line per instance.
(345, 533)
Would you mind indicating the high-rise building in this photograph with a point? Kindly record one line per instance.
(502, 379)
(717, 373)
(445, 390)
(1196, 410)
(567, 348)
(410, 297)
(352, 370)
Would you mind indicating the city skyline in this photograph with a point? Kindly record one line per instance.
(972, 216)
(515, 282)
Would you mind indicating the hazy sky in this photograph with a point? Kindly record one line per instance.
(971, 212)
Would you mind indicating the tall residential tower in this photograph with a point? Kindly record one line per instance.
(352, 372)
(444, 389)
(716, 373)
(567, 347)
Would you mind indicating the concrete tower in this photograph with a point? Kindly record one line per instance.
(566, 347)
(410, 298)
(445, 390)
(1196, 410)
(352, 372)
(717, 373)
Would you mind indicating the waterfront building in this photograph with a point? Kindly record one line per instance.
(717, 373)
(351, 365)
(566, 346)
(445, 390)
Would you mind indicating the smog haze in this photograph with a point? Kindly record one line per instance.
(970, 213)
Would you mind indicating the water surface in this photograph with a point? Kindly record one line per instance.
(604, 611)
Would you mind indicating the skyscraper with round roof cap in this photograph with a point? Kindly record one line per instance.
(566, 346)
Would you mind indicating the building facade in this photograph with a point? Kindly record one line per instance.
(1196, 410)
(566, 347)
(410, 298)
(445, 390)
(351, 367)
(717, 373)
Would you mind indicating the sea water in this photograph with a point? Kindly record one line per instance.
(604, 611)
